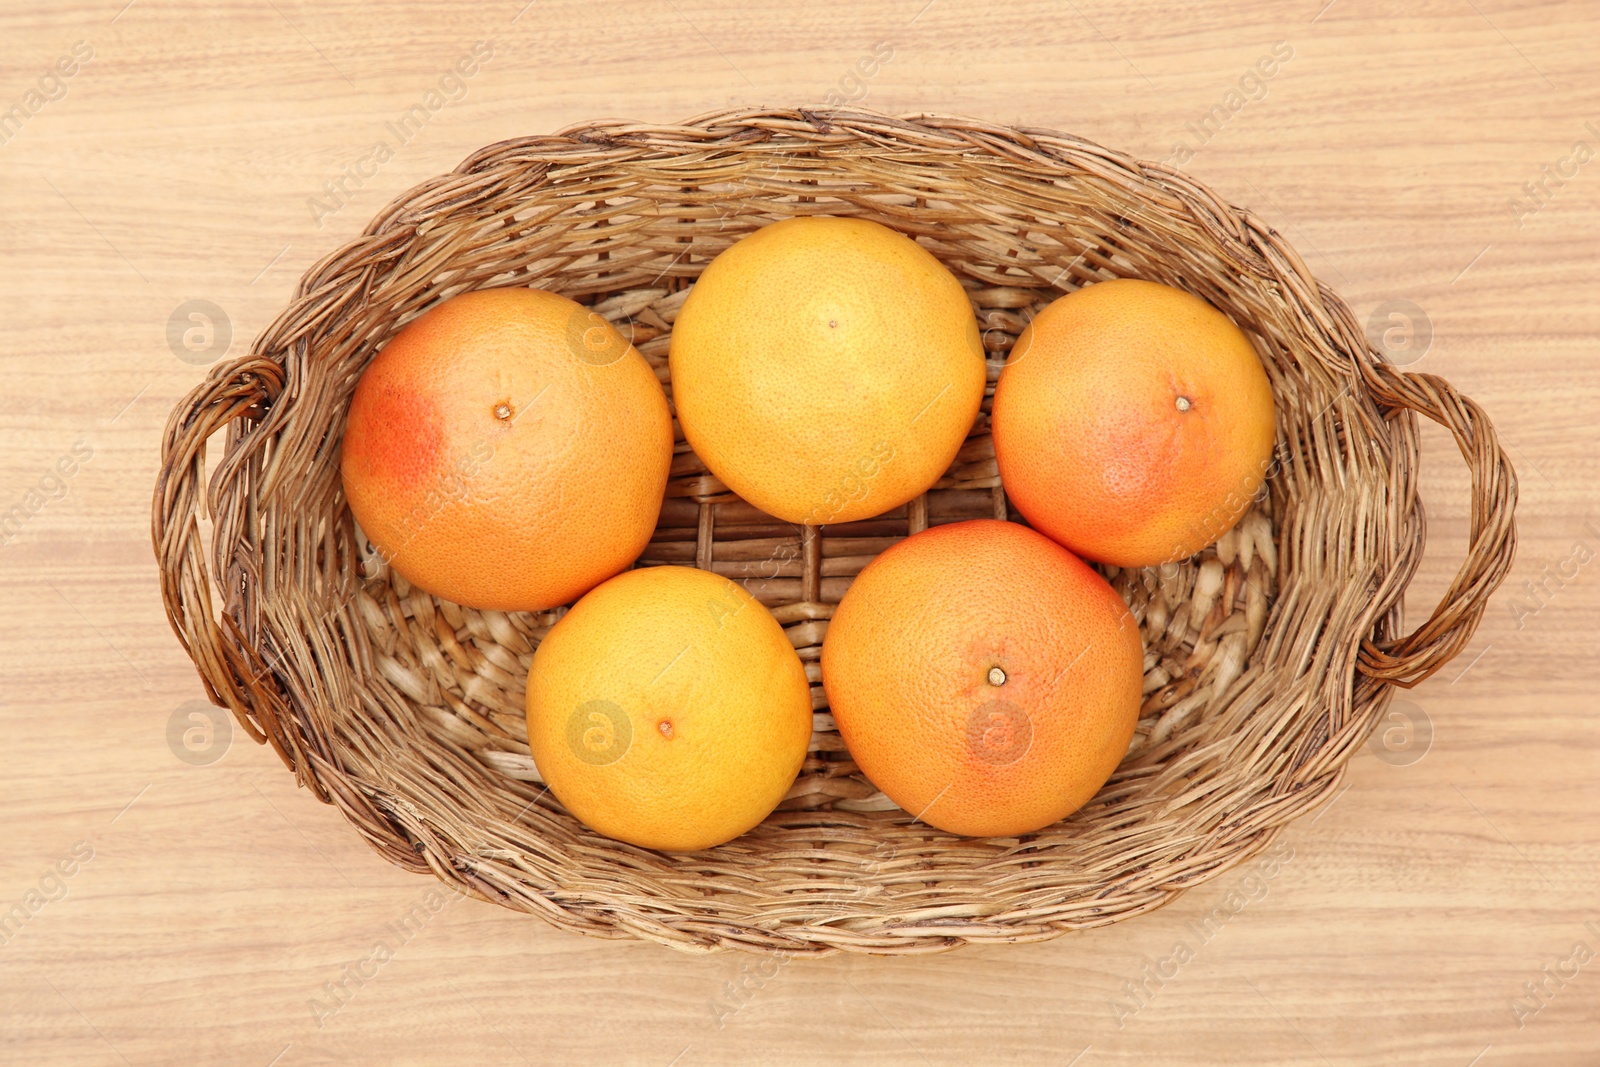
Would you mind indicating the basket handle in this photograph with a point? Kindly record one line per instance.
(238, 390)
(1406, 661)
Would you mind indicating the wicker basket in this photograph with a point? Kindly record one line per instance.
(1269, 656)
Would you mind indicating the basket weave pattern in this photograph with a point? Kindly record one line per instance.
(1269, 657)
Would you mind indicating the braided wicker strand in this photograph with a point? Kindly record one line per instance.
(1269, 657)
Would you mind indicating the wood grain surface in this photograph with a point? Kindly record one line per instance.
(169, 902)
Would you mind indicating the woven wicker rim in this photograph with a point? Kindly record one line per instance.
(1270, 656)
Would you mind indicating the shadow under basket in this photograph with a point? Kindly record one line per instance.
(1269, 656)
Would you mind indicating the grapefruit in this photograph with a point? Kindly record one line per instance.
(983, 677)
(826, 369)
(667, 709)
(1133, 423)
(507, 450)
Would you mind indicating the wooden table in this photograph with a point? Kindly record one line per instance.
(191, 912)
